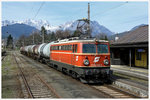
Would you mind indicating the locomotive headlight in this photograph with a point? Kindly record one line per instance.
(86, 62)
(106, 62)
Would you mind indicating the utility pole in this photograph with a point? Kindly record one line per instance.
(43, 37)
(89, 33)
(23, 43)
(43, 32)
(33, 37)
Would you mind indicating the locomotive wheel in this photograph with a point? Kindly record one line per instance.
(74, 74)
(83, 80)
(64, 71)
(109, 81)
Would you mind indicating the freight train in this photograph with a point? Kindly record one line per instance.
(85, 59)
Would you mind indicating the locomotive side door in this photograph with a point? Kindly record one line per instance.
(74, 50)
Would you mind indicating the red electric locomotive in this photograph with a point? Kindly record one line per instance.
(88, 60)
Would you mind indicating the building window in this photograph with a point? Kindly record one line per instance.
(138, 55)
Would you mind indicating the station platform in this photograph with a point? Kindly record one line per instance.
(133, 71)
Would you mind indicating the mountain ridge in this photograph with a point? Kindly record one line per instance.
(16, 30)
(71, 25)
(125, 32)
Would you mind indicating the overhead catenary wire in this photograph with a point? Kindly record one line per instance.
(100, 13)
(39, 10)
(36, 16)
(30, 11)
(134, 20)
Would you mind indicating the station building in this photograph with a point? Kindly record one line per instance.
(131, 49)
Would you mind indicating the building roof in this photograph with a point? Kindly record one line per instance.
(139, 35)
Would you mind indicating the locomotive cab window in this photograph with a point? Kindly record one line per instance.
(102, 48)
(93, 48)
(89, 48)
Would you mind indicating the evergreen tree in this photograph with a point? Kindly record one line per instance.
(43, 33)
(10, 42)
(53, 37)
(43, 30)
(106, 37)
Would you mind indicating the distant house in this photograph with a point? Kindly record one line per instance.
(131, 49)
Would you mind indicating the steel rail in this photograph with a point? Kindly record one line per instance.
(3, 57)
(121, 91)
(47, 85)
(126, 94)
(114, 92)
(24, 80)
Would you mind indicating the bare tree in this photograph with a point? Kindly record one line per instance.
(21, 41)
(101, 36)
(62, 34)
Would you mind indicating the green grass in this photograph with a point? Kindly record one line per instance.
(5, 65)
(7, 91)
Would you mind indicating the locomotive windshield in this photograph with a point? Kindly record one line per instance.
(91, 48)
(102, 48)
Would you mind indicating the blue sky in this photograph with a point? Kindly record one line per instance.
(116, 16)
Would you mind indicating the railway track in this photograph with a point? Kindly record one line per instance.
(3, 57)
(110, 91)
(113, 92)
(30, 94)
(107, 90)
(35, 86)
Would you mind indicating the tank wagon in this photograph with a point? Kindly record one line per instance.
(35, 52)
(22, 50)
(87, 60)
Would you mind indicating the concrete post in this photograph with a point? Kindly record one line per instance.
(130, 58)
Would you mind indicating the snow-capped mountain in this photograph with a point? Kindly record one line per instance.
(34, 23)
(137, 26)
(17, 30)
(7, 22)
(112, 37)
(96, 28)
